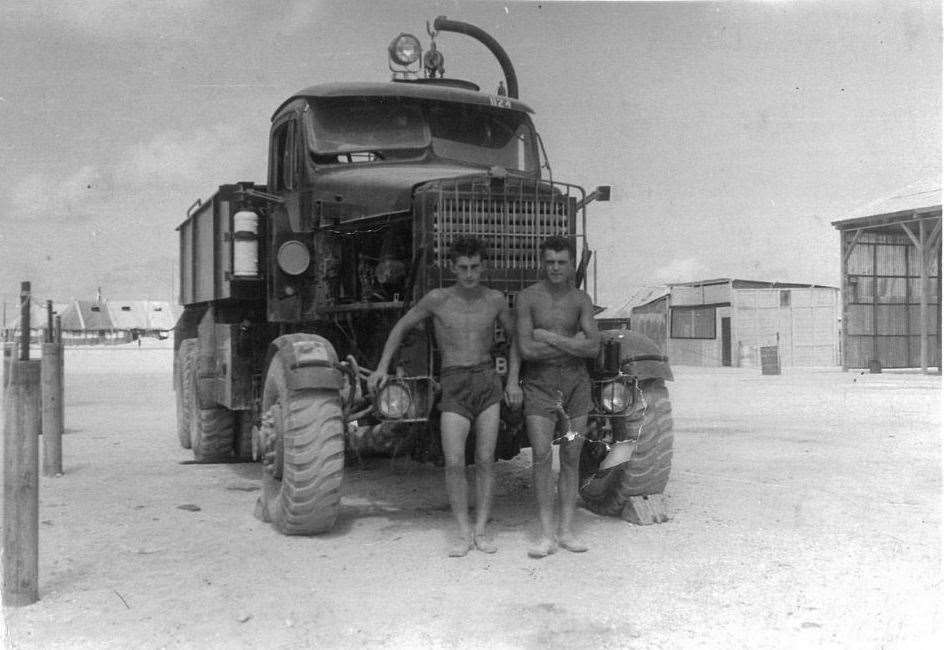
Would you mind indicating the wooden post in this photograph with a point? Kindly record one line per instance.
(49, 334)
(9, 353)
(923, 306)
(62, 374)
(52, 409)
(21, 484)
(843, 296)
(24, 320)
(920, 245)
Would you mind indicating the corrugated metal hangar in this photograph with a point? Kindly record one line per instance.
(891, 272)
(725, 322)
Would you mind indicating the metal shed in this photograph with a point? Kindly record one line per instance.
(614, 318)
(726, 322)
(891, 280)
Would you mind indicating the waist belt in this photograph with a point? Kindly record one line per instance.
(573, 362)
(479, 367)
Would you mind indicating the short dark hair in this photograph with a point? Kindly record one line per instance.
(467, 246)
(557, 244)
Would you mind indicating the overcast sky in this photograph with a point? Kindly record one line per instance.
(733, 133)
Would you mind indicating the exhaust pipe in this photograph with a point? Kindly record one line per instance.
(443, 24)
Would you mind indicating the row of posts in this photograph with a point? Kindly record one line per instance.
(32, 405)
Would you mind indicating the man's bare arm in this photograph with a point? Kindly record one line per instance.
(586, 343)
(531, 349)
(513, 393)
(417, 314)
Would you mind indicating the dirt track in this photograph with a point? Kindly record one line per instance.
(805, 512)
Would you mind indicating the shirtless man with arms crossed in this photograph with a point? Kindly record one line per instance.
(464, 317)
(556, 334)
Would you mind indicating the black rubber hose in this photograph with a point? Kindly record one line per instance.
(443, 24)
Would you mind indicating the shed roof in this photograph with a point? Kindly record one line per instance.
(737, 283)
(86, 315)
(141, 314)
(641, 296)
(162, 315)
(918, 198)
(128, 314)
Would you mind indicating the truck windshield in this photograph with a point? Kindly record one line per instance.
(352, 129)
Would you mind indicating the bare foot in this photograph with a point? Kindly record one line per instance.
(484, 544)
(572, 544)
(461, 548)
(543, 548)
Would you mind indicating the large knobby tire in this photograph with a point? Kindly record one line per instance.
(647, 472)
(303, 456)
(212, 430)
(184, 389)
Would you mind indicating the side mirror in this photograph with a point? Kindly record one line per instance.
(601, 193)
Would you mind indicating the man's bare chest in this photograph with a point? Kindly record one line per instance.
(463, 315)
(560, 314)
(472, 320)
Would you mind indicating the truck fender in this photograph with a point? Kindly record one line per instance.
(309, 360)
(640, 356)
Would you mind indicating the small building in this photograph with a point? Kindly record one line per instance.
(136, 318)
(891, 280)
(116, 321)
(614, 318)
(87, 322)
(726, 321)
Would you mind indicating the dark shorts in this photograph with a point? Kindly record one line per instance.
(469, 390)
(546, 384)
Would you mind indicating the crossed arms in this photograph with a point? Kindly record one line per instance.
(537, 344)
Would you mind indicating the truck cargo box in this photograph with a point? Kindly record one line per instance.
(206, 251)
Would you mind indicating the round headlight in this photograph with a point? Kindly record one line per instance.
(293, 257)
(615, 397)
(394, 401)
(405, 49)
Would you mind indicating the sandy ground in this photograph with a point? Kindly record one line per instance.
(806, 512)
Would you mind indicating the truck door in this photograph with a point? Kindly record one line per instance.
(287, 283)
(285, 168)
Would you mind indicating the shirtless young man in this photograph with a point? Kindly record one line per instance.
(464, 317)
(556, 334)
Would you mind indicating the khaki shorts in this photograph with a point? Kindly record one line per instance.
(546, 384)
(469, 390)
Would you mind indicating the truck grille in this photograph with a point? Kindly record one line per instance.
(512, 216)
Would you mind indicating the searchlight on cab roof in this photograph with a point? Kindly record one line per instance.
(405, 50)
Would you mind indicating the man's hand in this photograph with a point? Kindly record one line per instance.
(513, 394)
(375, 381)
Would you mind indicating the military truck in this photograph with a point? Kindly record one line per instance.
(289, 287)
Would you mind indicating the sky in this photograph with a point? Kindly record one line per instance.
(732, 134)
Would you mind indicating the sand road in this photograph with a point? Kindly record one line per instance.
(806, 512)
